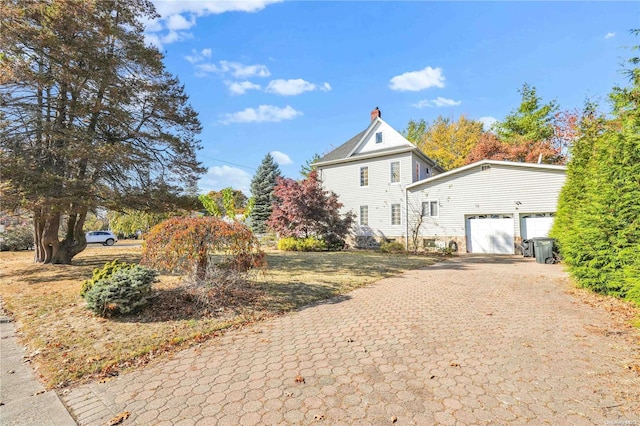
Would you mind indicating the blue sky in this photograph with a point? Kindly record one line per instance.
(296, 78)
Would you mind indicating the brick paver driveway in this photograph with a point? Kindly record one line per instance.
(475, 340)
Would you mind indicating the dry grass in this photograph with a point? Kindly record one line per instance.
(68, 344)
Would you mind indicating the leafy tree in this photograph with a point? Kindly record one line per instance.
(598, 221)
(186, 244)
(129, 221)
(448, 142)
(227, 202)
(303, 209)
(415, 131)
(308, 167)
(88, 117)
(490, 147)
(262, 186)
(532, 121)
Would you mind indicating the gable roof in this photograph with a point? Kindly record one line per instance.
(343, 150)
(488, 162)
(348, 150)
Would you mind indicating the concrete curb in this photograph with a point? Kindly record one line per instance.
(24, 400)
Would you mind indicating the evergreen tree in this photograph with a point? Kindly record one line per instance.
(532, 121)
(598, 222)
(262, 186)
(308, 167)
(89, 118)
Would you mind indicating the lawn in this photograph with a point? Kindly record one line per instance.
(68, 344)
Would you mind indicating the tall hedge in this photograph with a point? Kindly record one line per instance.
(598, 219)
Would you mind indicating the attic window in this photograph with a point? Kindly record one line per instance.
(486, 167)
(379, 137)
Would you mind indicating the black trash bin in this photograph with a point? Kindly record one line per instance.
(527, 248)
(543, 250)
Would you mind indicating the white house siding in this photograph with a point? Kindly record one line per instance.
(344, 180)
(502, 190)
(390, 139)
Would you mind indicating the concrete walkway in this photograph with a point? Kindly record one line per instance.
(22, 397)
(474, 340)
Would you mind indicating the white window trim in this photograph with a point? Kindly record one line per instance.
(360, 218)
(428, 203)
(400, 214)
(360, 177)
(399, 172)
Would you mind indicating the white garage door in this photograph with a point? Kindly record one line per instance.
(531, 227)
(490, 235)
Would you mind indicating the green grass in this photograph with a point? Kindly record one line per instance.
(69, 344)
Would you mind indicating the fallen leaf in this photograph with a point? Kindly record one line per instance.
(455, 364)
(394, 419)
(119, 418)
(40, 392)
(350, 340)
(299, 379)
(318, 417)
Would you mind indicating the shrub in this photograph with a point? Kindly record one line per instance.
(392, 247)
(186, 244)
(301, 244)
(219, 287)
(102, 274)
(123, 292)
(16, 238)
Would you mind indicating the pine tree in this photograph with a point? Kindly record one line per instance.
(598, 223)
(262, 186)
(89, 118)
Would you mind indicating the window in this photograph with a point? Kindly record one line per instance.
(395, 172)
(430, 208)
(364, 215)
(379, 137)
(395, 214)
(364, 176)
(417, 171)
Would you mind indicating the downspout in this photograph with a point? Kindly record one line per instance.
(406, 216)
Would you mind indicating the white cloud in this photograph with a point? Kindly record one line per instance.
(219, 177)
(181, 15)
(244, 71)
(168, 8)
(179, 22)
(437, 102)
(281, 158)
(487, 122)
(196, 56)
(236, 69)
(264, 113)
(414, 81)
(610, 35)
(294, 87)
(241, 87)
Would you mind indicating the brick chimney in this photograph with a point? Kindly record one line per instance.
(376, 113)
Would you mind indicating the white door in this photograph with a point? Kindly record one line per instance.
(531, 227)
(490, 235)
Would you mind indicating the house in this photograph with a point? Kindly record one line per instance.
(397, 193)
(370, 173)
(486, 207)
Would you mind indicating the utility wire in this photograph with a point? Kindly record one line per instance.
(227, 162)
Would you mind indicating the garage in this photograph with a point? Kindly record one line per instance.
(490, 234)
(535, 225)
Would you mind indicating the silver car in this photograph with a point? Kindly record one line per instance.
(106, 238)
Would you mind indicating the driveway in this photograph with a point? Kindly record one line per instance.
(473, 340)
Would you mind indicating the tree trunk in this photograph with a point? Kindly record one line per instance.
(48, 248)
